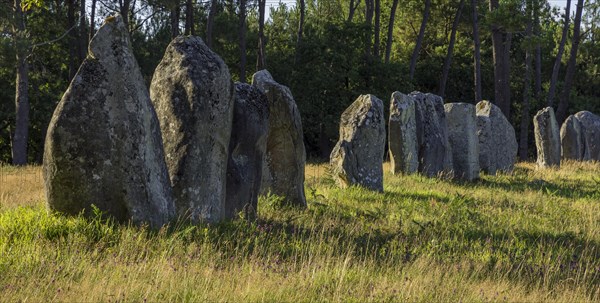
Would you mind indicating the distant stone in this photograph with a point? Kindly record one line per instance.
(283, 171)
(547, 138)
(192, 92)
(572, 140)
(247, 149)
(357, 158)
(403, 134)
(435, 154)
(497, 140)
(462, 134)
(103, 145)
(591, 132)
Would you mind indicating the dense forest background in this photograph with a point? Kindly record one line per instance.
(520, 54)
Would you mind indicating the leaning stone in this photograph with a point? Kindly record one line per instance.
(572, 140)
(435, 155)
(403, 134)
(462, 134)
(283, 170)
(357, 158)
(591, 133)
(547, 138)
(247, 150)
(103, 146)
(497, 140)
(192, 92)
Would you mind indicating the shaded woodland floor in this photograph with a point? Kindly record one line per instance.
(533, 235)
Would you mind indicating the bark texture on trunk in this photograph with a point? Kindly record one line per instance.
(558, 60)
(448, 60)
(352, 9)
(21, 132)
(476, 54)
(92, 21)
(242, 40)
(83, 35)
(377, 27)
(300, 31)
(260, 60)
(210, 23)
(415, 54)
(537, 29)
(73, 42)
(524, 127)
(124, 9)
(174, 18)
(189, 17)
(500, 64)
(390, 33)
(369, 8)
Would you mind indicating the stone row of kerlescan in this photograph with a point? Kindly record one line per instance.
(195, 146)
(454, 140)
(577, 139)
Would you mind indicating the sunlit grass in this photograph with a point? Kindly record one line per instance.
(529, 236)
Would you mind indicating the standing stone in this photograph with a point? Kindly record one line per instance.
(547, 138)
(591, 133)
(103, 145)
(403, 134)
(246, 150)
(192, 92)
(283, 170)
(497, 140)
(572, 140)
(357, 158)
(462, 134)
(435, 155)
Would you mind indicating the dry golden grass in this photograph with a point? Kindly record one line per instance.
(21, 186)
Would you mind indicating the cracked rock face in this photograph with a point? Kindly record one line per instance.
(357, 158)
(573, 141)
(192, 92)
(283, 170)
(462, 135)
(402, 140)
(247, 149)
(591, 133)
(547, 138)
(103, 145)
(497, 140)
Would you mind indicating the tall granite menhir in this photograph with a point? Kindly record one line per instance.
(357, 158)
(283, 172)
(497, 140)
(103, 145)
(573, 143)
(247, 150)
(547, 138)
(192, 92)
(462, 134)
(402, 140)
(591, 132)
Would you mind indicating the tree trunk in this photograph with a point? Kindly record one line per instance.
(92, 21)
(558, 60)
(21, 134)
(210, 22)
(448, 60)
(300, 29)
(124, 9)
(242, 37)
(499, 64)
(369, 7)
(506, 77)
(83, 35)
(174, 17)
(415, 54)
(524, 129)
(352, 9)
(538, 51)
(563, 105)
(476, 54)
(189, 17)
(73, 41)
(390, 33)
(377, 28)
(260, 60)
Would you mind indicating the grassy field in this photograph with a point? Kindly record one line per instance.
(530, 236)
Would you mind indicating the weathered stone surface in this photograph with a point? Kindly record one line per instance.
(247, 150)
(497, 140)
(435, 155)
(591, 132)
(462, 134)
(547, 138)
(192, 92)
(283, 172)
(103, 145)
(403, 134)
(572, 140)
(357, 158)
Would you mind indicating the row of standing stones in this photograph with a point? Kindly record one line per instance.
(577, 139)
(195, 145)
(455, 140)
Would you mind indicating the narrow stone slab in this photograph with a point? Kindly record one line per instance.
(497, 141)
(547, 138)
(283, 172)
(462, 135)
(591, 132)
(403, 145)
(357, 158)
(103, 145)
(192, 92)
